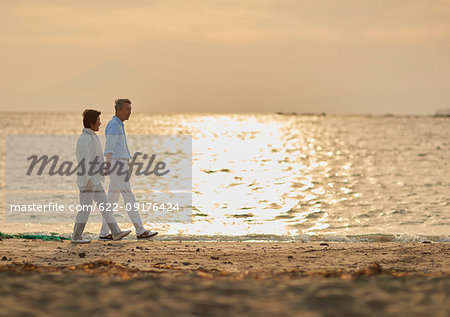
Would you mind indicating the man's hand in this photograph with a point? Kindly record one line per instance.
(89, 186)
(108, 163)
(107, 168)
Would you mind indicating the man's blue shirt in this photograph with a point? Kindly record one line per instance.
(116, 140)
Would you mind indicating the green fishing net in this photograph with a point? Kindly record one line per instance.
(44, 237)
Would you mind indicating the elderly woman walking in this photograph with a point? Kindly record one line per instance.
(90, 176)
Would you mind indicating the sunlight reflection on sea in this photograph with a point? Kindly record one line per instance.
(268, 174)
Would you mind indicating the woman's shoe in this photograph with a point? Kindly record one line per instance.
(80, 241)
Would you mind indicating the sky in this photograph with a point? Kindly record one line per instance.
(168, 56)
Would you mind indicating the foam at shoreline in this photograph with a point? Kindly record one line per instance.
(399, 238)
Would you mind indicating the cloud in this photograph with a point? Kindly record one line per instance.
(222, 22)
(206, 52)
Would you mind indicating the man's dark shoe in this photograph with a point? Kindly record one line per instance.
(147, 235)
(109, 237)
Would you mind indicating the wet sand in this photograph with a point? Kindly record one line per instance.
(223, 278)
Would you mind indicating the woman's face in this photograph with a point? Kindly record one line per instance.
(96, 126)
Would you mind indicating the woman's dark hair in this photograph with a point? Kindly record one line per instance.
(90, 117)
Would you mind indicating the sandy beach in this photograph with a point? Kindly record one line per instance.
(223, 278)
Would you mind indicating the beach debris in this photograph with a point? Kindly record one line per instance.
(426, 241)
(325, 244)
(186, 263)
(59, 248)
(205, 275)
(4, 258)
(82, 254)
(373, 269)
(164, 267)
(27, 266)
(290, 257)
(104, 268)
(44, 237)
(214, 257)
(109, 268)
(197, 250)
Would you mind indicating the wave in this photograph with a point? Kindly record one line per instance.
(309, 238)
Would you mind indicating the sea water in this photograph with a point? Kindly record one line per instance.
(290, 177)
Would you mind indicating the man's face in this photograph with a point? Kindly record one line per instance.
(96, 126)
(124, 112)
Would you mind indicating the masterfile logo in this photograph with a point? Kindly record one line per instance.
(42, 171)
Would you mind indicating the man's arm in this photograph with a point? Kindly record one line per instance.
(112, 133)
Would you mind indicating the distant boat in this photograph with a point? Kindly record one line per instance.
(287, 113)
(323, 114)
(442, 113)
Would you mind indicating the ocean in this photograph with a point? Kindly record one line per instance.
(272, 177)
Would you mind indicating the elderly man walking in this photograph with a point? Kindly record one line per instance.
(117, 157)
